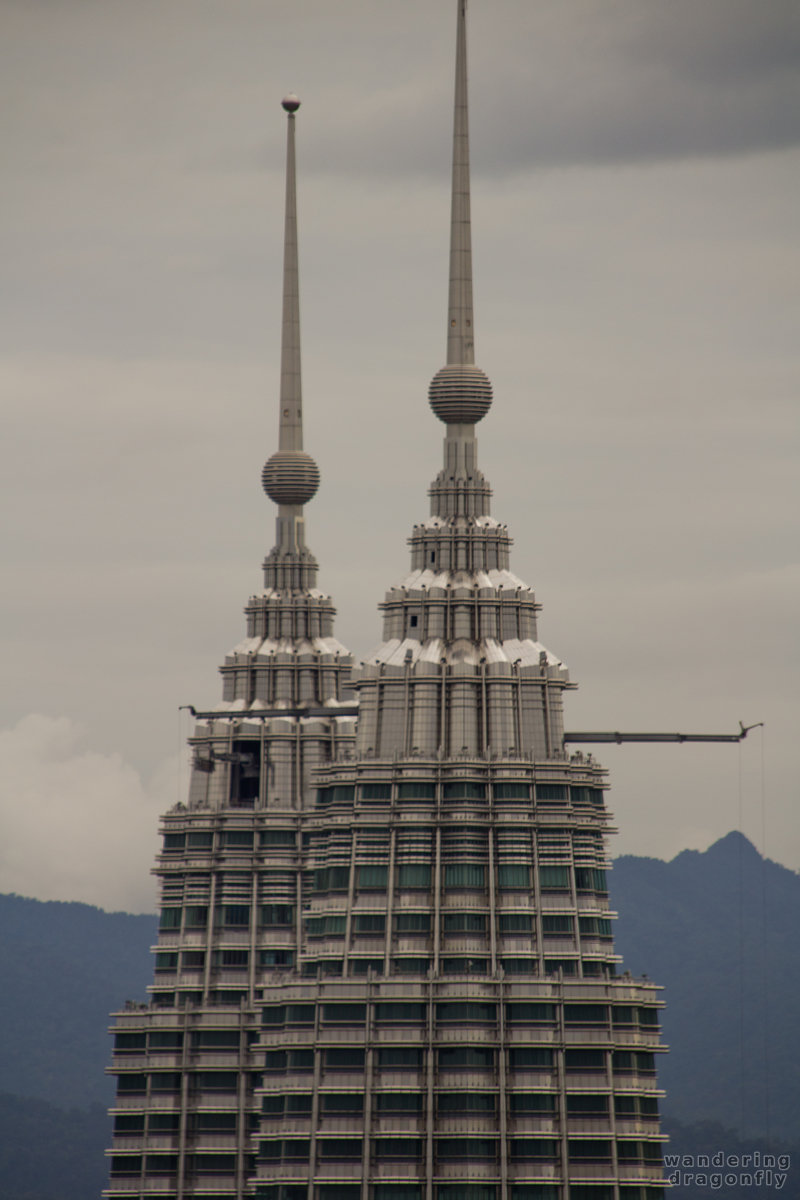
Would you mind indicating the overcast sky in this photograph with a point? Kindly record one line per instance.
(635, 225)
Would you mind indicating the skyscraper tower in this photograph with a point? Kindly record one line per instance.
(408, 985)
(230, 890)
(456, 1029)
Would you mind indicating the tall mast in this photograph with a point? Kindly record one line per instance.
(460, 394)
(460, 332)
(290, 477)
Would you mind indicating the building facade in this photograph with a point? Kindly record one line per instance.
(385, 967)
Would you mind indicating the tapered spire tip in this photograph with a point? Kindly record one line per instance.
(460, 393)
(290, 477)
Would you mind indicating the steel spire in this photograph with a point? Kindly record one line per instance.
(290, 477)
(460, 332)
(460, 394)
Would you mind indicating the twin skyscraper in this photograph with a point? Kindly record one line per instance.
(385, 966)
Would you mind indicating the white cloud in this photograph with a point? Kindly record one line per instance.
(76, 824)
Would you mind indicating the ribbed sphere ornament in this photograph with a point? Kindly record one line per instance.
(460, 394)
(290, 477)
(290, 103)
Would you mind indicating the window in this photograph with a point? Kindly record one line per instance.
(216, 1081)
(590, 879)
(374, 878)
(416, 791)
(165, 1081)
(554, 879)
(414, 875)
(342, 1102)
(196, 916)
(236, 915)
(397, 1191)
(520, 966)
(245, 772)
(331, 925)
(586, 1105)
(193, 960)
(200, 839)
(465, 966)
(567, 966)
(585, 1060)
(278, 837)
(344, 1059)
(466, 1191)
(340, 1147)
(276, 958)
(165, 1040)
(276, 914)
(340, 794)
(126, 1164)
(466, 1012)
(530, 1058)
(464, 922)
(398, 1147)
(550, 792)
(584, 1149)
(543, 1103)
(463, 790)
(530, 1012)
(130, 1043)
(630, 1062)
(398, 1102)
(595, 926)
(538, 1191)
(376, 791)
(513, 876)
(160, 1123)
(464, 1102)
(362, 966)
(585, 1014)
(215, 1039)
(465, 1148)
(174, 842)
(167, 962)
(237, 839)
(515, 923)
(129, 1125)
(398, 1011)
(464, 875)
(350, 1014)
(332, 879)
(230, 960)
(455, 1058)
(215, 1122)
(400, 1058)
(412, 922)
(369, 923)
(533, 1149)
(512, 791)
(558, 926)
(411, 966)
(213, 1164)
(170, 918)
(132, 1083)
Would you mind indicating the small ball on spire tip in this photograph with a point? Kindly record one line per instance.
(290, 103)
